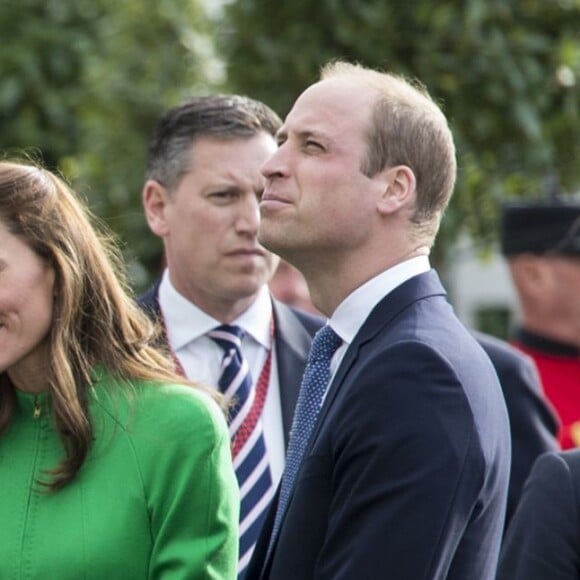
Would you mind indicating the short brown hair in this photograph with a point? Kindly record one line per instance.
(407, 128)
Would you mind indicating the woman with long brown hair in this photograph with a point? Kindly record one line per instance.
(110, 466)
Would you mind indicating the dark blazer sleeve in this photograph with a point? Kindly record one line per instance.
(533, 425)
(543, 539)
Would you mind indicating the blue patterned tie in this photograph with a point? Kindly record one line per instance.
(314, 384)
(251, 461)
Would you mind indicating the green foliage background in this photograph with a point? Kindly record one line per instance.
(507, 73)
(83, 81)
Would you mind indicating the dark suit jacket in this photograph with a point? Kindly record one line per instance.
(533, 424)
(543, 540)
(293, 331)
(407, 471)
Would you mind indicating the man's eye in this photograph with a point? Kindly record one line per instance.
(223, 196)
(315, 145)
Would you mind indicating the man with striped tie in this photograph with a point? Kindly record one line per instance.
(221, 323)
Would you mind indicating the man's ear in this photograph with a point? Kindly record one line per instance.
(155, 201)
(532, 275)
(397, 189)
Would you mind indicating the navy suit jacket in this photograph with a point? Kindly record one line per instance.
(293, 332)
(543, 539)
(533, 424)
(406, 474)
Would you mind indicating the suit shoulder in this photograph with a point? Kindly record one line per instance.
(508, 361)
(148, 300)
(555, 474)
(311, 322)
(555, 462)
(288, 314)
(496, 348)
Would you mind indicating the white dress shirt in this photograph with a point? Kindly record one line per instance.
(353, 311)
(200, 357)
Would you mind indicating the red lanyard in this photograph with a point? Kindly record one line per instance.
(261, 390)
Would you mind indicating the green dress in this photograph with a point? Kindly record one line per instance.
(156, 498)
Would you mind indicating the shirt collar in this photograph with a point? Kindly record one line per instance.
(352, 312)
(185, 322)
(545, 345)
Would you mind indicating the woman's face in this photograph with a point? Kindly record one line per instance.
(26, 306)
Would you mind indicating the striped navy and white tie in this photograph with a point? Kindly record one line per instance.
(248, 446)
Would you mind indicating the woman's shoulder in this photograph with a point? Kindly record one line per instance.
(178, 400)
(165, 405)
(161, 430)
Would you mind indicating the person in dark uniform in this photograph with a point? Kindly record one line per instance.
(541, 242)
(533, 424)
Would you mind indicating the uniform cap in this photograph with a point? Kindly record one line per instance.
(541, 226)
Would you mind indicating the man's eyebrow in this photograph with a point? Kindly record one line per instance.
(282, 134)
(310, 133)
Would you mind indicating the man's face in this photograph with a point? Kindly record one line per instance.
(565, 289)
(316, 197)
(209, 225)
(549, 286)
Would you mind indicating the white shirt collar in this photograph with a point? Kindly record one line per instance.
(185, 322)
(352, 312)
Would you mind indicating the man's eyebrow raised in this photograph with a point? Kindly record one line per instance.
(282, 134)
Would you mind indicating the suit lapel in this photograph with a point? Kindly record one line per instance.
(417, 288)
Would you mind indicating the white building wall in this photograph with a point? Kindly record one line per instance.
(476, 282)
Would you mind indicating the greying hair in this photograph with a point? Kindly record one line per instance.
(407, 128)
(219, 116)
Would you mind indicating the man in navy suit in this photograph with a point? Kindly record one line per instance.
(201, 198)
(533, 424)
(406, 471)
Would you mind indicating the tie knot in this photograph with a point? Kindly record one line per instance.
(324, 344)
(227, 336)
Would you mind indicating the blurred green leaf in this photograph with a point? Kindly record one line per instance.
(82, 84)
